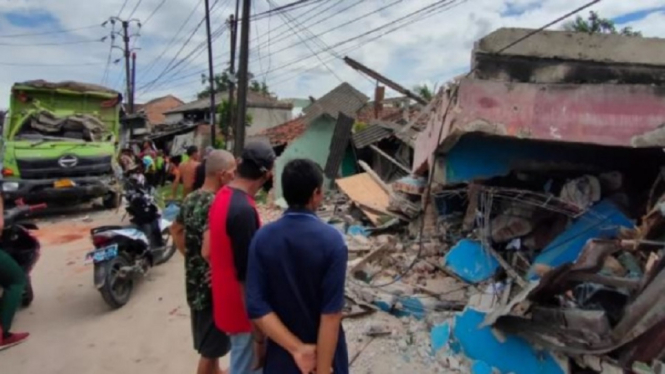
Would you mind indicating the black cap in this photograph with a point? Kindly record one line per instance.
(260, 154)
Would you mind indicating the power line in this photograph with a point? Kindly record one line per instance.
(135, 8)
(308, 47)
(198, 72)
(45, 44)
(47, 32)
(122, 7)
(154, 11)
(152, 64)
(440, 8)
(30, 64)
(168, 68)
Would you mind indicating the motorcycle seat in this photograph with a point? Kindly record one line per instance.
(99, 229)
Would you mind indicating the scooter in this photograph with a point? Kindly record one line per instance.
(123, 253)
(19, 243)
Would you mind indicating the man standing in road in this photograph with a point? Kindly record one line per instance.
(233, 222)
(187, 231)
(295, 281)
(187, 173)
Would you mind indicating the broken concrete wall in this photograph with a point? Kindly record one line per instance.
(606, 114)
(576, 46)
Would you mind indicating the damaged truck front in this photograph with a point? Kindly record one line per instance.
(59, 143)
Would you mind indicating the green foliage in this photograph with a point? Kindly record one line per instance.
(359, 126)
(424, 91)
(223, 114)
(223, 83)
(594, 24)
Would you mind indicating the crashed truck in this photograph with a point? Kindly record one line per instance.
(59, 142)
(548, 171)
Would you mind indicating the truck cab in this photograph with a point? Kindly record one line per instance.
(59, 143)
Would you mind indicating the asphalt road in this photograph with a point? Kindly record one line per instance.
(74, 331)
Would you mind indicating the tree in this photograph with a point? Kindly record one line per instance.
(424, 91)
(594, 24)
(222, 83)
(223, 113)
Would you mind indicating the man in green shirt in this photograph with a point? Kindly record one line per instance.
(187, 231)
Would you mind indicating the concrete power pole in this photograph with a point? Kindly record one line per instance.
(132, 86)
(243, 75)
(211, 73)
(233, 26)
(127, 52)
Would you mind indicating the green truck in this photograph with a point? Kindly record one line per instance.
(59, 143)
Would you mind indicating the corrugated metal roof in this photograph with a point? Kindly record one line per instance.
(338, 144)
(370, 135)
(343, 98)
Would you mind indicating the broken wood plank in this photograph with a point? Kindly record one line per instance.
(387, 157)
(506, 266)
(374, 176)
(375, 254)
(362, 189)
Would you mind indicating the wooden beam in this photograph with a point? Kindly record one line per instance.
(374, 176)
(384, 154)
(358, 66)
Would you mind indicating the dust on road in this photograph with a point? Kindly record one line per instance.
(73, 331)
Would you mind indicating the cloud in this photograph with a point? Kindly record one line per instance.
(431, 47)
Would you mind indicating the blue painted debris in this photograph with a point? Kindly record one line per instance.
(470, 262)
(358, 230)
(410, 306)
(440, 336)
(510, 354)
(602, 221)
(481, 367)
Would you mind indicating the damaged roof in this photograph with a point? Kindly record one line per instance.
(343, 98)
(284, 133)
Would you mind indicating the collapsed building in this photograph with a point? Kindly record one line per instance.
(538, 183)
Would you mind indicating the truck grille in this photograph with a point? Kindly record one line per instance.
(52, 168)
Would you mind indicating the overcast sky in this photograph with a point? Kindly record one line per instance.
(61, 40)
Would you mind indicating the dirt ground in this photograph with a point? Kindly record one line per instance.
(74, 331)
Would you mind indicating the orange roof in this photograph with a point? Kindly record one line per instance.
(284, 133)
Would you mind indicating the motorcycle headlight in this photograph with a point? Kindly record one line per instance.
(10, 186)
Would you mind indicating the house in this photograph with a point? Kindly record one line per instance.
(154, 109)
(314, 135)
(265, 111)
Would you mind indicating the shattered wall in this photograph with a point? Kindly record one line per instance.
(314, 144)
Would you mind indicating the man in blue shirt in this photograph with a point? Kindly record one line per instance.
(295, 281)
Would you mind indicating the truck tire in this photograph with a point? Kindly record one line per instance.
(111, 201)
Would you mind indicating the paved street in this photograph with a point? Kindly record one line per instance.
(74, 331)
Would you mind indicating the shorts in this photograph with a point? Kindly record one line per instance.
(209, 341)
(242, 354)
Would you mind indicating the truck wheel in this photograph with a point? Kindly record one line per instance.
(111, 201)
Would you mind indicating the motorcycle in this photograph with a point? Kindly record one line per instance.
(123, 253)
(20, 244)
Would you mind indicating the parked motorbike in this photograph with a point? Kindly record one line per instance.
(18, 242)
(123, 253)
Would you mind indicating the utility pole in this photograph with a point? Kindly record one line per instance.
(127, 52)
(239, 139)
(213, 109)
(133, 84)
(233, 25)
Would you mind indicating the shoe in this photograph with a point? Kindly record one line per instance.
(13, 339)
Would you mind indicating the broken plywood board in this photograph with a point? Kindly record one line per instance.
(364, 191)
